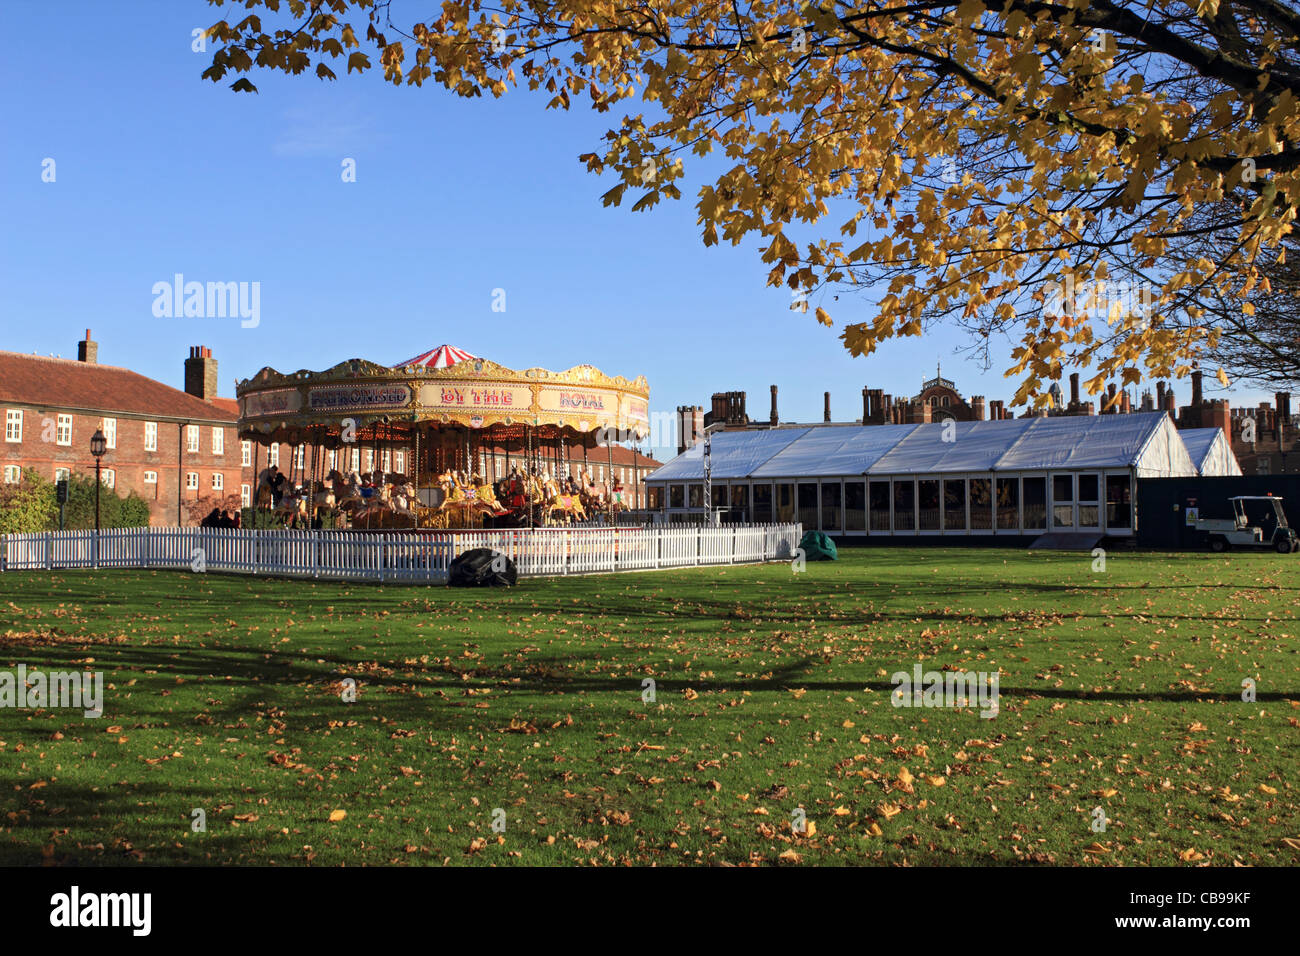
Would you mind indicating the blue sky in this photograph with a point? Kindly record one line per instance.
(159, 172)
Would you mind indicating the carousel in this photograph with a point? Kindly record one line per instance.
(443, 440)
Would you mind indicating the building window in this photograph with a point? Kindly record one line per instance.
(109, 477)
(370, 459)
(245, 496)
(13, 474)
(218, 441)
(246, 454)
(62, 474)
(218, 481)
(356, 459)
(150, 436)
(386, 459)
(109, 427)
(13, 424)
(299, 454)
(192, 480)
(273, 454)
(192, 439)
(151, 477)
(400, 460)
(63, 431)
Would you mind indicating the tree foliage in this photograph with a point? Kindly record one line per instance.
(32, 505)
(957, 159)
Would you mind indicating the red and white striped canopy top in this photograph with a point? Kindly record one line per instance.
(444, 356)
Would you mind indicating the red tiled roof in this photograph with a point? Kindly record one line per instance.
(66, 383)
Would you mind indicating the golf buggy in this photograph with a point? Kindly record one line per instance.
(1237, 532)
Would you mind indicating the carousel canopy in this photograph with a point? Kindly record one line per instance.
(445, 387)
(444, 356)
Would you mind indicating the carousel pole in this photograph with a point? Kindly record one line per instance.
(528, 497)
(609, 481)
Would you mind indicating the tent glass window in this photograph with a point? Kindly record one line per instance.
(695, 496)
(954, 504)
(831, 506)
(927, 501)
(1008, 504)
(762, 504)
(808, 504)
(880, 507)
(855, 506)
(1089, 497)
(981, 504)
(1063, 501)
(785, 502)
(905, 505)
(1034, 491)
(719, 493)
(1118, 503)
(740, 498)
(676, 496)
(654, 498)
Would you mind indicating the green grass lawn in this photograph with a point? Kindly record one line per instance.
(1120, 690)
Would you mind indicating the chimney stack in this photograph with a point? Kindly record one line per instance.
(690, 426)
(826, 412)
(1112, 405)
(1283, 411)
(866, 405)
(88, 351)
(775, 418)
(201, 373)
(1074, 390)
(1196, 389)
(977, 407)
(1160, 396)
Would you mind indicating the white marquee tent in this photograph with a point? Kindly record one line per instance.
(1211, 451)
(1013, 476)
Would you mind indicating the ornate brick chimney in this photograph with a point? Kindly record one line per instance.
(826, 411)
(776, 419)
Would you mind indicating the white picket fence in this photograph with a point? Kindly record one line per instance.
(405, 556)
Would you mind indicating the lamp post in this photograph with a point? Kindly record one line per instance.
(98, 445)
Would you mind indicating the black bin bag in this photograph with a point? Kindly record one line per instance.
(482, 568)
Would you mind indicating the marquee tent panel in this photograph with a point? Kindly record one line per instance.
(732, 455)
(1147, 442)
(972, 446)
(1163, 455)
(831, 451)
(1210, 451)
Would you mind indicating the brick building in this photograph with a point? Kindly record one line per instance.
(176, 449)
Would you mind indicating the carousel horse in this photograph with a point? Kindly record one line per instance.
(569, 506)
(461, 502)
